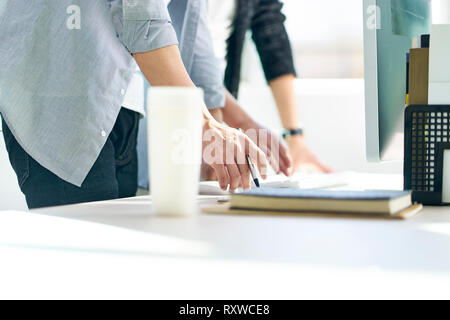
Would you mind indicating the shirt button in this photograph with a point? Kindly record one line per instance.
(103, 133)
(122, 92)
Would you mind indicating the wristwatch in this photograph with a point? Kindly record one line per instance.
(292, 132)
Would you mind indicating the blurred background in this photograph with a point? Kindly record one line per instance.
(327, 38)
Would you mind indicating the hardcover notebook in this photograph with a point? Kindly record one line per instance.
(418, 76)
(381, 202)
(391, 204)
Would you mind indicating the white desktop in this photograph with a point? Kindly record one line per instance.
(119, 249)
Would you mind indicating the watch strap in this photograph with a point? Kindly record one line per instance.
(292, 132)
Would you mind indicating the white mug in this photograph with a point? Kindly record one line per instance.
(175, 146)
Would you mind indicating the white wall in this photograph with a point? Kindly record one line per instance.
(10, 196)
(332, 112)
(327, 37)
(441, 11)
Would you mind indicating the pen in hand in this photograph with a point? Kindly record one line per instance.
(254, 172)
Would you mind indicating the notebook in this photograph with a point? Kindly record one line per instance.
(418, 76)
(224, 209)
(294, 200)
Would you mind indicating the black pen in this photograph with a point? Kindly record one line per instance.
(254, 172)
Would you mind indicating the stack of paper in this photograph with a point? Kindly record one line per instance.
(439, 71)
(439, 87)
(298, 181)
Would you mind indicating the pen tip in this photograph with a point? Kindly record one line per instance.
(257, 183)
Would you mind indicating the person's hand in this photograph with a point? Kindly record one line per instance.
(302, 156)
(225, 150)
(274, 149)
(208, 173)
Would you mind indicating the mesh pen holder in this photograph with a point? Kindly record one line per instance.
(427, 137)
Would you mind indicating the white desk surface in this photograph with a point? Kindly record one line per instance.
(118, 249)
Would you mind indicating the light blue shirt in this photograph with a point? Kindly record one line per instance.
(190, 20)
(66, 65)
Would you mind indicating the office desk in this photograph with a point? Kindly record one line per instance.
(118, 249)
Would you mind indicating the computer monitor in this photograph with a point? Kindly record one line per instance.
(391, 28)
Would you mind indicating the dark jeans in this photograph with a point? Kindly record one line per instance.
(114, 174)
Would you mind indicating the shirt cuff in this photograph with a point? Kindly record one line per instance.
(143, 36)
(214, 98)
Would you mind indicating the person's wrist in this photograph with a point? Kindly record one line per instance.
(292, 133)
(213, 124)
(208, 123)
(295, 141)
(217, 114)
(295, 138)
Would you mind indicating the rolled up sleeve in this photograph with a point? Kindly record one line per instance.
(144, 25)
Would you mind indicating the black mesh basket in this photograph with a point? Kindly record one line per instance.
(427, 136)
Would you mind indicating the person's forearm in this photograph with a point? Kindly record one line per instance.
(217, 114)
(233, 114)
(285, 98)
(164, 67)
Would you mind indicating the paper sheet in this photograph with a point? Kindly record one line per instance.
(446, 178)
(300, 181)
(439, 78)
